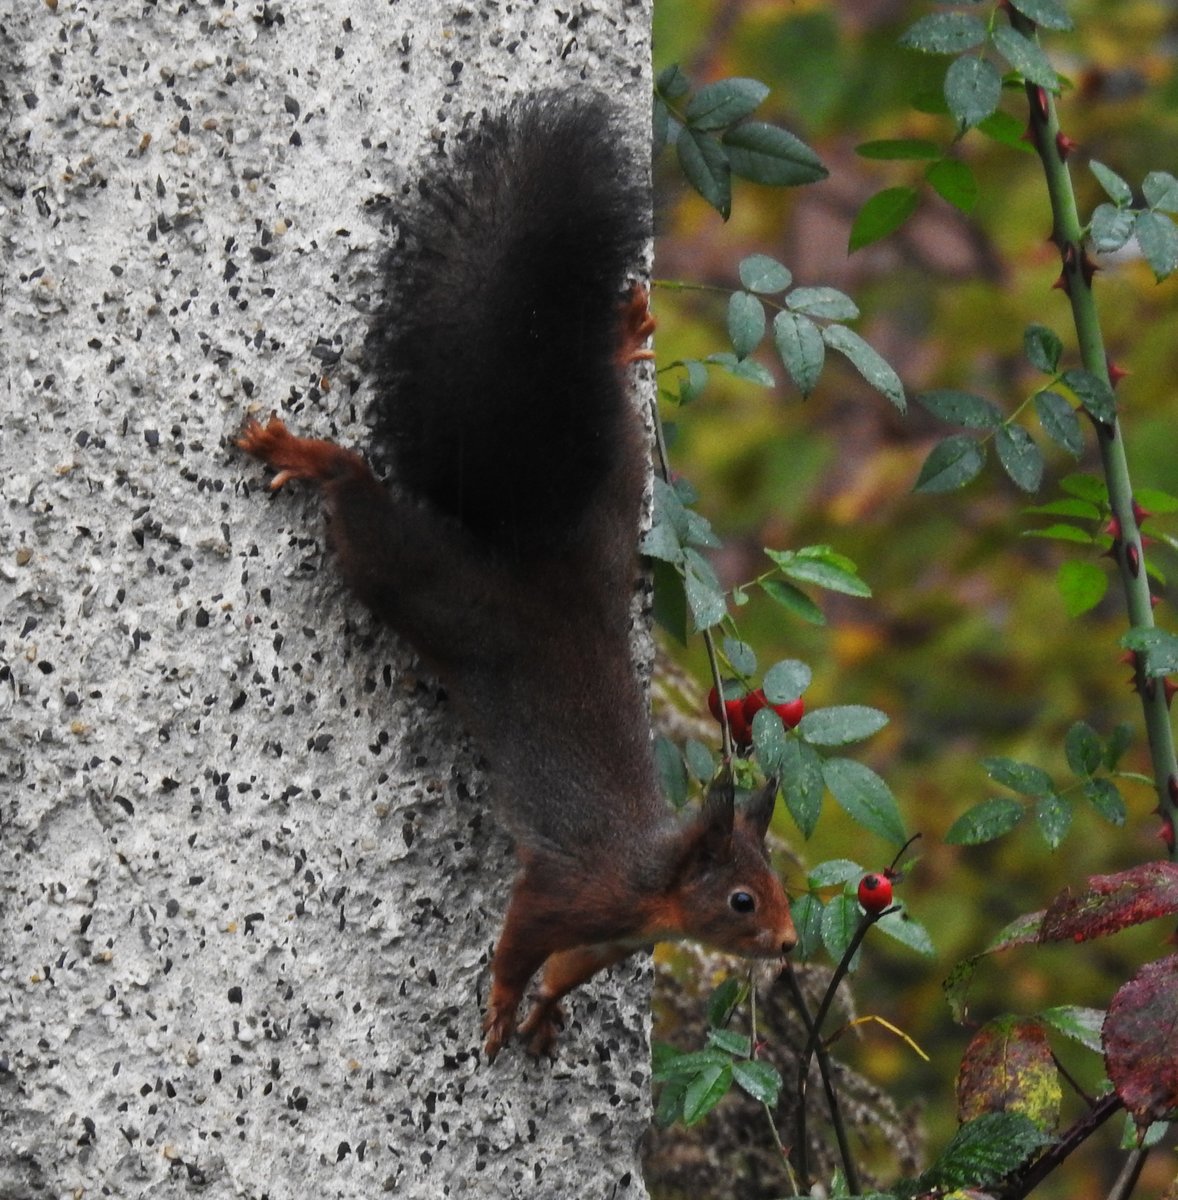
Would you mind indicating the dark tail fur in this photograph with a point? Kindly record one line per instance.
(499, 396)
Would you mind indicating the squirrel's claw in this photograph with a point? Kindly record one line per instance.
(637, 326)
(541, 1028)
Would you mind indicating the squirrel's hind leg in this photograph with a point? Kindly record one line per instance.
(562, 973)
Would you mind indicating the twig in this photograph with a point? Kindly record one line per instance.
(850, 1171)
(1031, 1176)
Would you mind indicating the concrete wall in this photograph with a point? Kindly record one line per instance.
(248, 889)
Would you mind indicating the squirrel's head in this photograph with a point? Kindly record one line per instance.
(725, 893)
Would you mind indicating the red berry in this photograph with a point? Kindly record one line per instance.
(739, 724)
(791, 712)
(875, 892)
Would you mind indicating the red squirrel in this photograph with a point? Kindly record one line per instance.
(505, 549)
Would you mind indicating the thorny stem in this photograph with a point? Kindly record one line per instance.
(1034, 1174)
(1076, 282)
(850, 1171)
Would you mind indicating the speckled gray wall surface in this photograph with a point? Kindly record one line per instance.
(248, 888)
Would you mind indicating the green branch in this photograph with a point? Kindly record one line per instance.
(1076, 282)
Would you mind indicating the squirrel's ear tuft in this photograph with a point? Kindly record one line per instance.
(759, 809)
(718, 815)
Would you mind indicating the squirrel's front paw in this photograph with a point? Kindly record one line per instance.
(541, 1028)
(498, 1026)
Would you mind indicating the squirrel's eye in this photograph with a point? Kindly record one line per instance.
(742, 902)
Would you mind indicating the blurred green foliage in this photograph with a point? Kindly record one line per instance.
(966, 643)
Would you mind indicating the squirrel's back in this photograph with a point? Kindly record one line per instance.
(499, 397)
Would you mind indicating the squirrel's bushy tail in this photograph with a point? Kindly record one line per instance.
(498, 394)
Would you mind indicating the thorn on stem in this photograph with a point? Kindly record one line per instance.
(1064, 144)
(1169, 687)
(1133, 559)
(1140, 514)
(1115, 373)
(1039, 102)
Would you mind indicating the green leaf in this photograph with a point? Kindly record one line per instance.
(1160, 189)
(985, 1151)
(835, 872)
(1115, 188)
(1068, 507)
(1060, 422)
(906, 931)
(759, 1079)
(670, 600)
(1154, 500)
(1050, 14)
(786, 681)
(1103, 795)
(864, 796)
(1007, 130)
(985, 822)
(1158, 240)
(944, 33)
(705, 596)
(841, 725)
(694, 382)
(718, 105)
(744, 368)
(952, 464)
(825, 302)
(1054, 815)
(806, 912)
(671, 1064)
(1082, 586)
(1118, 742)
(1159, 647)
(802, 784)
(973, 88)
(1021, 777)
(1087, 487)
(746, 323)
(705, 1091)
(840, 919)
(1093, 393)
(821, 566)
(1083, 749)
(868, 362)
(730, 1042)
(672, 775)
(802, 350)
(882, 215)
(1111, 227)
(660, 126)
(1026, 57)
(1062, 533)
(672, 83)
(960, 408)
(724, 1000)
(1076, 1023)
(764, 275)
(741, 656)
(1021, 459)
(700, 761)
(769, 741)
(1043, 348)
(706, 166)
(953, 181)
(765, 154)
(898, 148)
(793, 600)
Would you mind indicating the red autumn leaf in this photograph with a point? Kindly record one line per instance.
(1110, 903)
(1008, 1067)
(1138, 1039)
